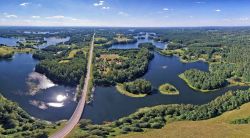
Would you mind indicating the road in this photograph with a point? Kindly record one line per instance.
(76, 116)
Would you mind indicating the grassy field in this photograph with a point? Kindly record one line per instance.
(6, 52)
(213, 128)
(9, 51)
(53, 130)
(100, 39)
(173, 52)
(120, 89)
(168, 89)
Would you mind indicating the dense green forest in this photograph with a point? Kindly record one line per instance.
(15, 122)
(159, 116)
(204, 80)
(229, 47)
(149, 46)
(117, 66)
(168, 89)
(68, 72)
(62, 64)
(139, 86)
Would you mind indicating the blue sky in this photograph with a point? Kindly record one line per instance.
(131, 13)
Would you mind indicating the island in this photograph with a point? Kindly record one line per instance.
(6, 52)
(168, 89)
(137, 88)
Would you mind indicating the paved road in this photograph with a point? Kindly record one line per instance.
(72, 122)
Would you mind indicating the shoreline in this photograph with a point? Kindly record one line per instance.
(121, 90)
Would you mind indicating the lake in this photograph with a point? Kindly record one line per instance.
(34, 92)
(43, 99)
(109, 105)
(8, 41)
(135, 45)
(50, 41)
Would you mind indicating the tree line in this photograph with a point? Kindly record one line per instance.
(159, 116)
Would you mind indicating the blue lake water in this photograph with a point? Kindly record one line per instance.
(50, 41)
(55, 102)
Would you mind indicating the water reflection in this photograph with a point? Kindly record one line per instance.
(60, 98)
(42, 104)
(58, 105)
(37, 82)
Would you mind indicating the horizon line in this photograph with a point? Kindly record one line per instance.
(131, 26)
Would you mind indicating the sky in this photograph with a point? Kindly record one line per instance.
(125, 13)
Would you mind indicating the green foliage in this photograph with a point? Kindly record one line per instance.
(157, 117)
(240, 56)
(139, 86)
(15, 122)
(241, 121)
(148, 45)
(129, 65)
(6, 52)
(173, 46)
(69, 73)
(204, 80)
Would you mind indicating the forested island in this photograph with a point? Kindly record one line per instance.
(6, 52)
(106, 41)
(168, 89)
(137, 88)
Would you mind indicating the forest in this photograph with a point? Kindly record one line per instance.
(58, 65)
(139, 86)
(159, 116)
(227, 47)
(15, 122)
(149, 46)
(204, 80)
(118, 66)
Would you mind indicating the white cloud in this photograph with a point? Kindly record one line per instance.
(35, 17)
(200, 2)
(165, 9)
(73, 19)
(217, 10)
(24, 4)
(244, 19)
(100, 3)
(105, 8)
(56, 17)
(61, 17)
(9, 15)
(123, 13)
